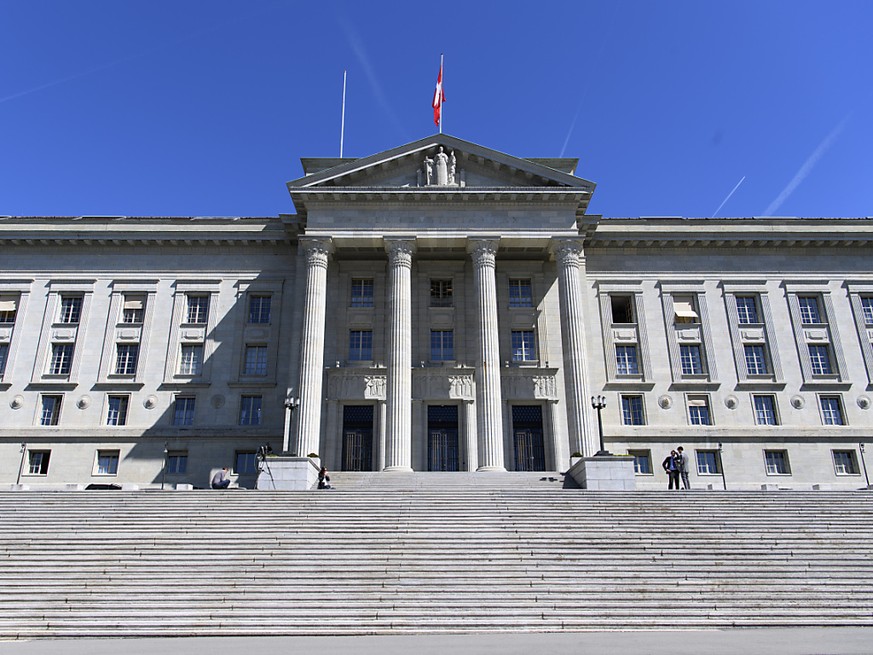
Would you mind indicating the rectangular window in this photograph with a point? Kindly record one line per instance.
(831, 410)
(117, 410)
(698, 410)
(4, 355)
(360, 345)
(809, 314)
(776, 462)
(183, 410)
(259, 309)
(8, 308)
(520, 293)
(197, 309)
(50, 411)
(134, 308)
(442, 345)
(38, 462)
(126, 355)
(177, 462)
(632, 410)
(441, 293)
(642, 461)
(819, 357)
(362, 292)
(845, 462)
(246, 463)
(250, 410)
(62, 359)
(523, 347)
(756, 360)
(256, 360)
(765, 410)
(689, 356)
(867, 308)
(626, 360)
(684, 309)
(191, 360)
(707, 462)
(107, 462)
(622, 309)
(71, 310)
(747, 310)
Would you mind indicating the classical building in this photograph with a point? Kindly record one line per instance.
(438, 306)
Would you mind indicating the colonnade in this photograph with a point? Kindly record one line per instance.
(489, 438)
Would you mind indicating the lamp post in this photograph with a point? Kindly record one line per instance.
(598, 403)
(164, 467)
(721, 466)
(291, 403)
(864, 464)
(21, 463)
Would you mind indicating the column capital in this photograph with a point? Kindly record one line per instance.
(317, 250)
(568, 251)
(400, 250)
(483, 251)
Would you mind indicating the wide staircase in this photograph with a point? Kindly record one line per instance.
(400, 554)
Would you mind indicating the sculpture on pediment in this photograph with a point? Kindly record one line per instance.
(441, 170)
(441, 164)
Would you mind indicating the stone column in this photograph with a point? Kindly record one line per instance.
(312, 345)
(569, 255)
(398, 429)
(470, 438)
(380, 436)
(489, 420)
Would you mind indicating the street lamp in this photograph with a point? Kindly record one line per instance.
(864, 464)
(164, 467)
(291, 403)
(21, 463)
(721, 466)
(598, 403)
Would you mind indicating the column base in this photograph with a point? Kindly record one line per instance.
(398, 469)
(485, 469)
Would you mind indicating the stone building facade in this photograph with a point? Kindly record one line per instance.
(439, 306)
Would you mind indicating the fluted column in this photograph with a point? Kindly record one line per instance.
(312, 344)
(489, 417)
(570, 259)
(398, 428)
(470, 439)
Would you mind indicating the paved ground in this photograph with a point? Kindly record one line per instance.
(794, 641)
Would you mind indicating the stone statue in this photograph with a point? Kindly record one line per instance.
(441, 163)
(453, 163)
(428, 171)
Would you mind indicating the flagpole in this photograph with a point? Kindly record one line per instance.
(442, 81)
(343, 119)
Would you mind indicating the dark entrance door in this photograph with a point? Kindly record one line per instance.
(442, 438)
(527, 428)
(357, 438)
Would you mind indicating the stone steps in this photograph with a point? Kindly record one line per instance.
(425, 553)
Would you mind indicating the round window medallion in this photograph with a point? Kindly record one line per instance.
(665, 402)
(797, 402)
(151, 402)
(17, 402)
(731, 402)
(863, 402)
(84, 402)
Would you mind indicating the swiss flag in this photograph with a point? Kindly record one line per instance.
(439, 97)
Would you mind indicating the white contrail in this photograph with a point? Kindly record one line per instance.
(805, 170)
(728, 196)
(358, 48)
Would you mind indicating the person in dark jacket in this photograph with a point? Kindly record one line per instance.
(323, 478)
(671, 465)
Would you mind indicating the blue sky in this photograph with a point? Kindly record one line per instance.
(183, 107)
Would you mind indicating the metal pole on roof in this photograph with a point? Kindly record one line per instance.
(343, 119)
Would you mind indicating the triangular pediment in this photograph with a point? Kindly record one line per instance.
(440, 162)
